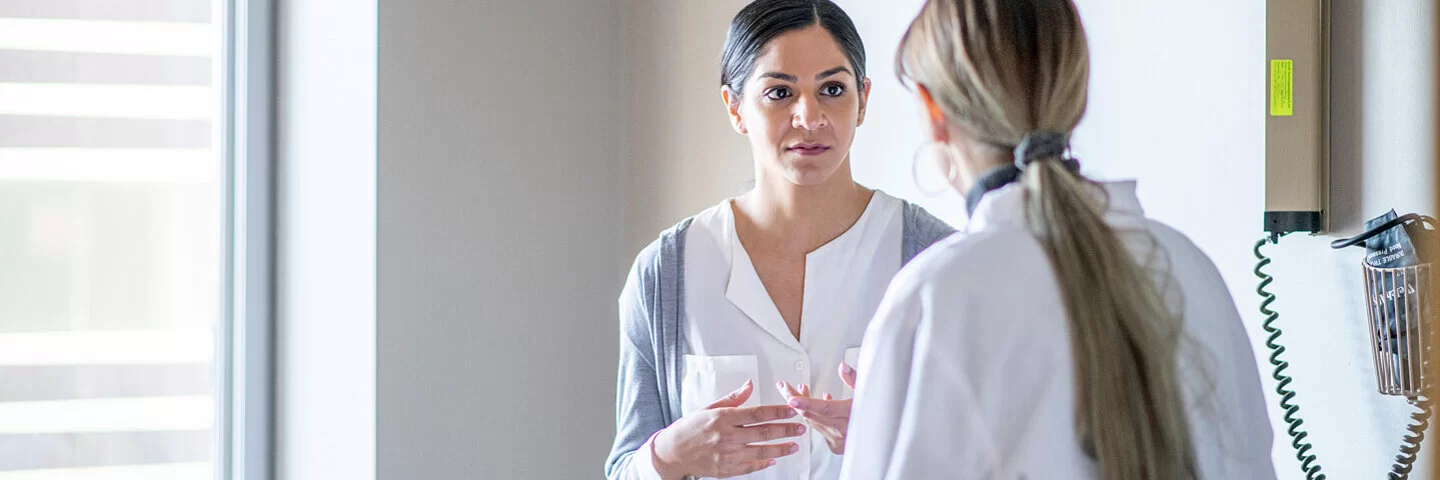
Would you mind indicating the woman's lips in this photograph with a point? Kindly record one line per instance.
(809, 149)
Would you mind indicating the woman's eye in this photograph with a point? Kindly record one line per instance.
(780, 93)
(833, 90)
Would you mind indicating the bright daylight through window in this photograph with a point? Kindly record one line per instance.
(111, 238)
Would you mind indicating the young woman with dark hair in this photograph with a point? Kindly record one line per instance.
(773, 287)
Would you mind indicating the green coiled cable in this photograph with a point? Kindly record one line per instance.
(1308, 462)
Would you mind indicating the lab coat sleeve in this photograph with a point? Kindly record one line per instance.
(638, 400)
(915, 413)
(883, 378)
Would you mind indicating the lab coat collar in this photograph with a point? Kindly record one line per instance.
(1006, 206)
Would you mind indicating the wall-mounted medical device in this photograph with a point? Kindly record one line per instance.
(1297, 120)
(1401, 251)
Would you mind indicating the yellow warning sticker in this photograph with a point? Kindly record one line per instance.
(1282, 88)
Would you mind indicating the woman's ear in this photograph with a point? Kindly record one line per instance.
(732, 106)
(864, 99)
(939, 125)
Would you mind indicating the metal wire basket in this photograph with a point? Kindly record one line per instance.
(1401, 317)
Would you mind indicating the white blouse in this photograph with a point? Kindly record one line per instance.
(734, 332)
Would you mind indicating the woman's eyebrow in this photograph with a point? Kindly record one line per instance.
(791, 78)
(833, 71)
(783, 76)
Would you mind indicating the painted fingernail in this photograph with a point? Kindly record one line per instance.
(780, 385)
(799, 429)
(794, 448)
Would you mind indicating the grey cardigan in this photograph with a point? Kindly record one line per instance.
(647, 392)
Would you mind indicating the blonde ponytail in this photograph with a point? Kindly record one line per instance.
(1123, 339)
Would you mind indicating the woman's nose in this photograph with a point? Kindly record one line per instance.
(808, 116)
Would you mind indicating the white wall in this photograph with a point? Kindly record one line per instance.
(502, 177)
(684, 156)
(325, 330)
(1177, 94)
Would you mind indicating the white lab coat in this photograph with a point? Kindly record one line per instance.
(966, 371)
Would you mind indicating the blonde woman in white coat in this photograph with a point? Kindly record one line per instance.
(1061, 334)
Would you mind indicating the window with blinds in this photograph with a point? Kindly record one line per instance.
(110, 238)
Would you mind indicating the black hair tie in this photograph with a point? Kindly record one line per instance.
(1044, 145)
